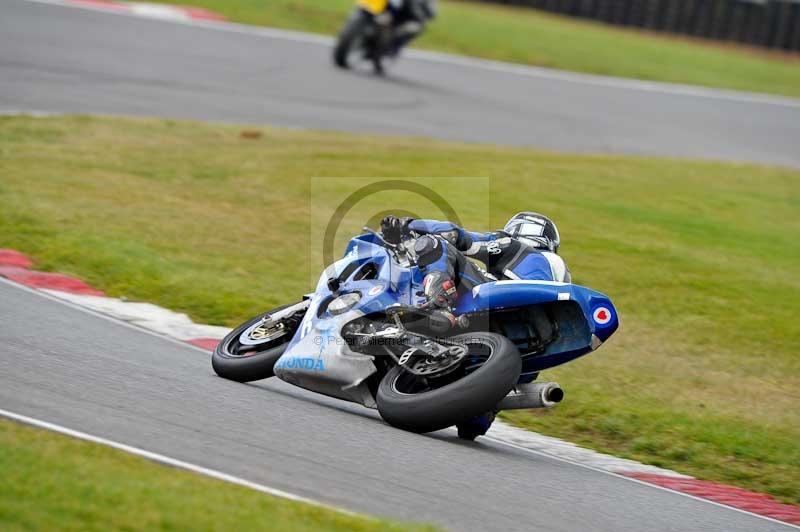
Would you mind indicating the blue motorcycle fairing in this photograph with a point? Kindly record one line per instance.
(579, 334)
(319, 359)
(499, 295)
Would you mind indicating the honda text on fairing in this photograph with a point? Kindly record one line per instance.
(379, 29)
(368, 335)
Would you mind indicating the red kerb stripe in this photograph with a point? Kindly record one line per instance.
(757, 503)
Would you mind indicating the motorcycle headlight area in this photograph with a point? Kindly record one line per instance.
(343, 303)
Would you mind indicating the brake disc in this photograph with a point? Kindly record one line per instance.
(437, 365)
(262, 332)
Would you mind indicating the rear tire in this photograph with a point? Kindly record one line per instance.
(229, 364)
(354, 29)
(456, 402)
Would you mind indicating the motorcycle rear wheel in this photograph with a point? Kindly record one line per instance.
(231, 360)
(419, 405)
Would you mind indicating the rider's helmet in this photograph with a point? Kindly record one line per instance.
(536, 230)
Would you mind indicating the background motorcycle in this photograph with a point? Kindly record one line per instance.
(378, 29)
(366, 335)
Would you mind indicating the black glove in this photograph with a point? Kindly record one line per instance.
(440, 290)
(394, 228)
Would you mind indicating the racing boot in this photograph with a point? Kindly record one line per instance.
(477, 426)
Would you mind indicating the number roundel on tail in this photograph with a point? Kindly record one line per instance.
(602, 315)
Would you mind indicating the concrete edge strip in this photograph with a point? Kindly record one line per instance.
(147, 9)
(28, 112)
(145, 315)
(173, 462)
(60, 300)
(576, 454)
(177, 327)
(443, 58)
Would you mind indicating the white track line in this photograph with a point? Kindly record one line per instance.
(484, 64)
(174, 462)
(296, 497)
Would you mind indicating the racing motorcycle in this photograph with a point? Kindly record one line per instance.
(367, 335)
(378, 29)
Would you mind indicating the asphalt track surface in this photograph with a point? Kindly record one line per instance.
(62, 59)
(91, 374)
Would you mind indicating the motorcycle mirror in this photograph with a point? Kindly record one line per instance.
(334, 283)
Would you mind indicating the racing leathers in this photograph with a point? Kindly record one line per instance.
(443, 249)
(505, 257)
(447, 271)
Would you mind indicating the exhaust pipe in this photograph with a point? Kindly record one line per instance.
(533, 395)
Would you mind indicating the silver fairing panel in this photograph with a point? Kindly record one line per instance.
(321, 361)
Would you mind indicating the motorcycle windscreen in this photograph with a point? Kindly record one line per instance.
(358, 253)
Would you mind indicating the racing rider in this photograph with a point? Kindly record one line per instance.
(526, 248)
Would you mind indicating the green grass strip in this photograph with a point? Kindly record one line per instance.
(53, 482)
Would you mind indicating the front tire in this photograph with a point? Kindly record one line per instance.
(351, 33)
(231, 360)
(403, 404)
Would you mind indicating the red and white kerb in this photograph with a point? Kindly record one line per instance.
(601, 315)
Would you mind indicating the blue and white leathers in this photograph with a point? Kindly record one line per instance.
(505, 257)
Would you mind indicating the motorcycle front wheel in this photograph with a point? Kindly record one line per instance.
(248, 353)
(418, 404)
(352, 39)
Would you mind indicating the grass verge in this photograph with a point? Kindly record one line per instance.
(533, 37)
(52, 482)
(701, 259)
